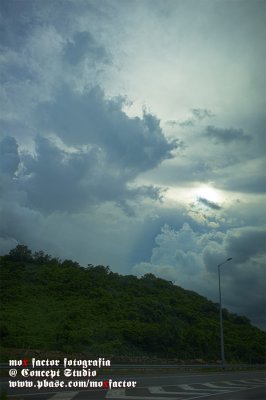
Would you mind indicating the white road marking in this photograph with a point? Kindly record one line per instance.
(156, 389)
(212, 386)
(188, 390)
(251, 381)
(192, 389)
(237, 384)
(234, 391)
(64, 396)
(111, 394)
(160, 390)
(120, 394)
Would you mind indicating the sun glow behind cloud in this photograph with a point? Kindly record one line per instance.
(209, 193)
(192, 194)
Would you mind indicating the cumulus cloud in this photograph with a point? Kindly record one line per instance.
(88, 118)
(190, 259)
(175, 251)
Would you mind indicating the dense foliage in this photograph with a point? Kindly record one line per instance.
(52, 305)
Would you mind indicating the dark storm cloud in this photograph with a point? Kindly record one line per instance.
(81, 45)
(209, 204)
(136, 144)
(226, 135)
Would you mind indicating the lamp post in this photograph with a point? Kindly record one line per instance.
(221, 313)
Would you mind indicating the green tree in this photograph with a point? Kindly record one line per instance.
(20, 253)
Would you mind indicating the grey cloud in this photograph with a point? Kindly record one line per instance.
(256, 185)
(88, 118)
(55, 180)
(9, 157)
(15, 73)
(187, 123)
(103, 235)
(247, 175)
(20, 18)
(250, 182)
(81, 45)
(201, 113)
(209, 204)
(226, 135)
(244, 243)
(6, 244)
(19, 223)
(172, 123)
(118, 149)
(17, 21)
(198, 114)
(182, 172)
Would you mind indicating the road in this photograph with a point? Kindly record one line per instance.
(248, 385)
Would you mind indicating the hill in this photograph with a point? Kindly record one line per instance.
(49, 304)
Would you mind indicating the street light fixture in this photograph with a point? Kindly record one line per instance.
(221, 313)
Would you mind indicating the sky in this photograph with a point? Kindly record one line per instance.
(132, 134)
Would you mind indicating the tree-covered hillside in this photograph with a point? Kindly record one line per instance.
(47, 304)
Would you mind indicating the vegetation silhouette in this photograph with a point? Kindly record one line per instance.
(49, 304)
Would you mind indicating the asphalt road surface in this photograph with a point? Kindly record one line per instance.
(248, 385)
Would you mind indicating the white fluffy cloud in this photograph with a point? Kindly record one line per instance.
(190, 259)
